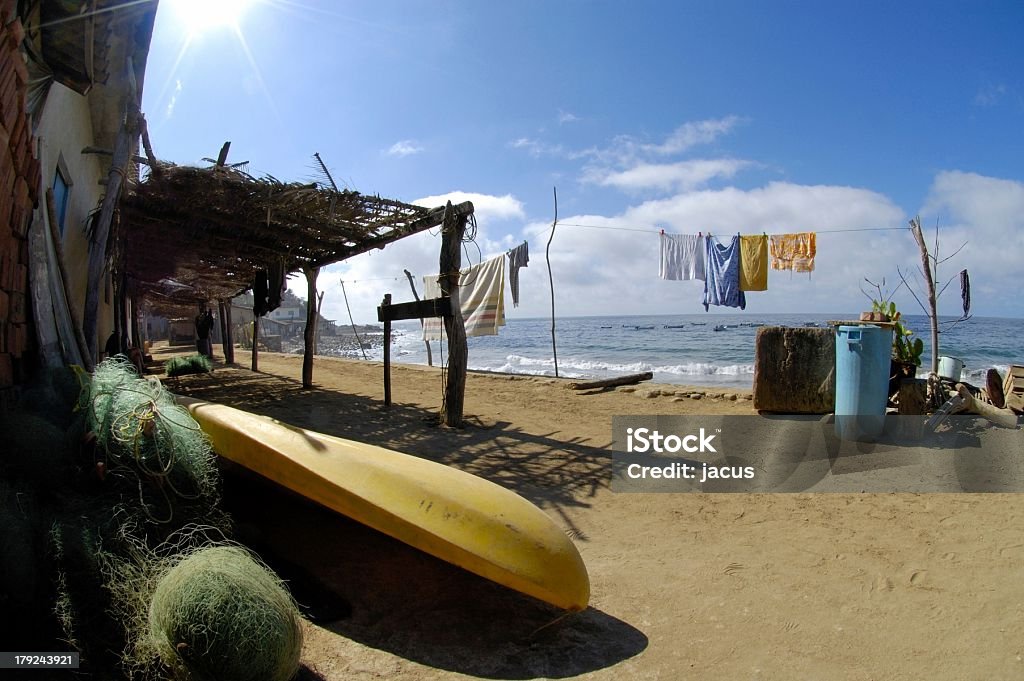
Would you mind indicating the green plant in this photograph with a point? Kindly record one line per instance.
(903, 348)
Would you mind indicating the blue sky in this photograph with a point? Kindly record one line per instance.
(707, 116)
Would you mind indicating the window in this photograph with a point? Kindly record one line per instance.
(61, 191)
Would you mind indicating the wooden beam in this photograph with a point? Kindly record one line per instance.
(434, 307)
(311, 322)
(631, 379)
(229, 340)
(452, 230)
(222, 158)
(98, 249)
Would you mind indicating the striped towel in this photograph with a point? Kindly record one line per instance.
(480, 297)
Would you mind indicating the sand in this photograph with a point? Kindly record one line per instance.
(702, 586)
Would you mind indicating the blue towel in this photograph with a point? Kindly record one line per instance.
(722, 285)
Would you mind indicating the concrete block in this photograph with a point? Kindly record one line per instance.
(794, 370)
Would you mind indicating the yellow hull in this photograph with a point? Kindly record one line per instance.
(453, 515)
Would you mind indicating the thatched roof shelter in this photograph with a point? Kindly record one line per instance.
(193, 235)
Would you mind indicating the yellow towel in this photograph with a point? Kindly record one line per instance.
(793, 251)
(754, 263)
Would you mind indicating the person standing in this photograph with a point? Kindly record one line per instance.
(204, 325)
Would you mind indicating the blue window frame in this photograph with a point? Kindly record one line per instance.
(61, 190)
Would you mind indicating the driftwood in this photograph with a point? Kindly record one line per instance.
(631, 379)
(1000, 417)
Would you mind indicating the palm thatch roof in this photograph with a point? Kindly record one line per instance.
(198, 234)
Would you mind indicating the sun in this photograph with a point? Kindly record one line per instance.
(201, 16)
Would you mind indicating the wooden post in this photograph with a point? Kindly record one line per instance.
(255, 342)
(430, 358)
(311, 322)
(98, 248)
(222, 315)
(229, 339)
(387, 350)
(929, 280)
(58, 247)
(452, 230)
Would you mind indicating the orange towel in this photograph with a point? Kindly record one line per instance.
(793, 251)
(754, 263)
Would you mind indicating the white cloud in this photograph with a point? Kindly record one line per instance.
(485, 206)
(615, 271)
(404, 148)
(566, 117)
(990, 94)
(681, 176)
(986, 214)
(694, 133)
(536, 148)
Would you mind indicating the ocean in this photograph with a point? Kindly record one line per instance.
(684, 349)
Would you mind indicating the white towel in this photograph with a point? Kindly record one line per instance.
(479, 297)
(682, 257)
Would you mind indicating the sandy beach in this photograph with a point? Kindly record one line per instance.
(702, 586)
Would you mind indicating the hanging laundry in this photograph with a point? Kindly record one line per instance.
(480, 299)
(682, 256)
(793, 251)
(275, 284)
(517, 257)
(965, 292)
(754, 263)
(259, 294)
(722, 286)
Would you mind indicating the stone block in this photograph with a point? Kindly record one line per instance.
(794, 370)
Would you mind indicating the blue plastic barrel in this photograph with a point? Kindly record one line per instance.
(863, 355)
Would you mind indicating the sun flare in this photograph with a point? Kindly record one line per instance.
(201, 16)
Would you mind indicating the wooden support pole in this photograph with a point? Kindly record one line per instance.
(229, 336)
(430, 358)
(452, 231)
(255, 343)
(311, 321)
(387, 350)
(58, 247)
(222, 315)
(98, 248)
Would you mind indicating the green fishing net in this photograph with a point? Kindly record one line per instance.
(189, 364)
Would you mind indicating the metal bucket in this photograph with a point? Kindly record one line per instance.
(950, 367)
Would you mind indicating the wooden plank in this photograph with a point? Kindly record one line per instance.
(435, 307)
(412, 285)
(1001, 417)
(631, 379)
(387, 349)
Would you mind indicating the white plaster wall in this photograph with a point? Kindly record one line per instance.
(66, 128)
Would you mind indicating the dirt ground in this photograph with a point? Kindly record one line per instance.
(702, 586)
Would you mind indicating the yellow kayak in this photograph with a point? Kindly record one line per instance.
(453, 515)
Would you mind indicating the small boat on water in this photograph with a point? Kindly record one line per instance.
(674, 326)
(720, 327)
(698, 323)
(643, 328)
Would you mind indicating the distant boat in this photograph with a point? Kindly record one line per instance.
(721, 327)
(643, 328)
(674, 326)
(699, 323)
(812, 324)
(606, 327)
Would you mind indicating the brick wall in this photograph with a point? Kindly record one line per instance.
(19, 194)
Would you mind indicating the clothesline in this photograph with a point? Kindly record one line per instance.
(658, 230)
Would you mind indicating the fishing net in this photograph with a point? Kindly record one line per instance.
(206, 612)
(190, 364)
(150, 442)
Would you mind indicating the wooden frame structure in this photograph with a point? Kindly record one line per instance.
(188, 236)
